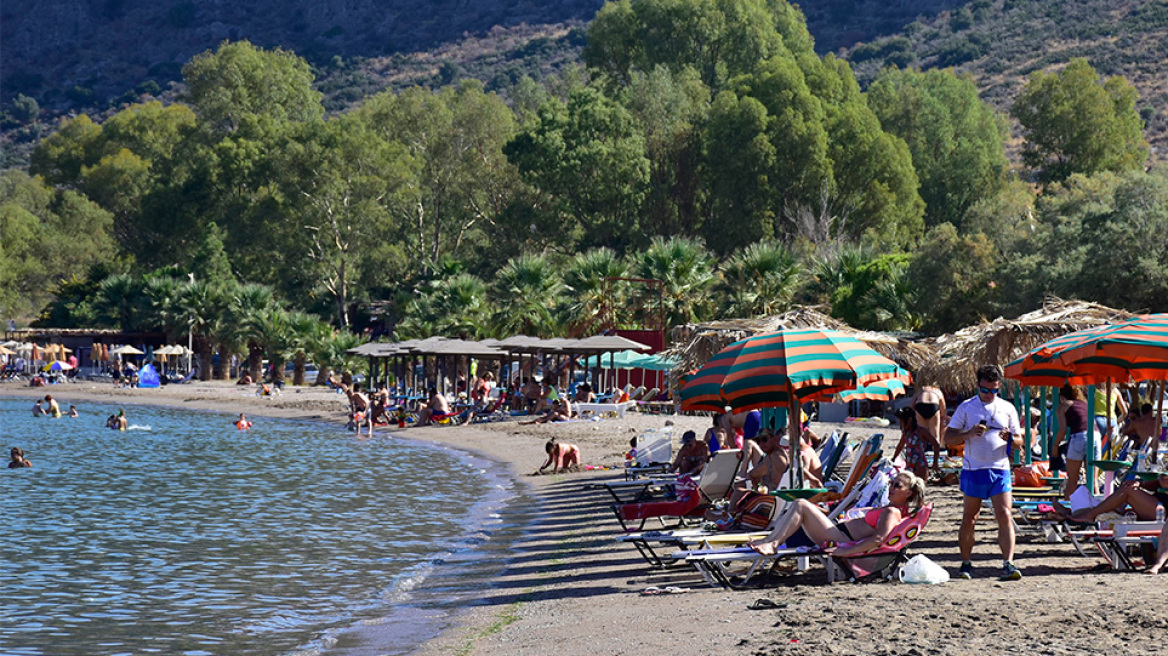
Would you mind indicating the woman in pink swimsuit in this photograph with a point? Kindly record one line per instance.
(906, 494)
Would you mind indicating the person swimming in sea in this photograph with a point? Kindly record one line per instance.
(73, 411)
(242, 423)
(118, 421)
(17, 459)
(38, 409)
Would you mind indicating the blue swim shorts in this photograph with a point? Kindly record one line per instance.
(985, 483)
(751, 425)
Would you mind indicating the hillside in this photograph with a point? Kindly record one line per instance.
(1001, 42)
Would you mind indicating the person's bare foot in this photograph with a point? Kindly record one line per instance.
(763, 548)
(1154, 569)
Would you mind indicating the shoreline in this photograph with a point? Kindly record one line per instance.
(567, 586)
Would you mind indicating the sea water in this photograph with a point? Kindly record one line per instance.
(184, 535)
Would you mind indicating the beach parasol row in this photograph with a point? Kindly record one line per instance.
(1136, 349)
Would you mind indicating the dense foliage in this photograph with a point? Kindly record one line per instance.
(730, 163)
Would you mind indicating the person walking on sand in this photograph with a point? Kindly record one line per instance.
(988, 428)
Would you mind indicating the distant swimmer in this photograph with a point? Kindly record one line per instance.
(242, 423)
(53, 409)
(118, 421)
(73, 411)
(17, 459)
(38, 410)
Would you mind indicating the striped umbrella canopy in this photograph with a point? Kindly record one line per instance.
(1136, 349)
(881, 390)
(784, 368)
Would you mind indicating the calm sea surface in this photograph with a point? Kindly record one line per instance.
(186, 536)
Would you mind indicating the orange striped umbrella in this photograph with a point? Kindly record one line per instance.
(1136, 349)
(783, 369)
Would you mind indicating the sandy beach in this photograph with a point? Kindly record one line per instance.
(570, 588)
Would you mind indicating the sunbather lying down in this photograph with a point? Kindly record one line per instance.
(905, 495)
(1141, 497)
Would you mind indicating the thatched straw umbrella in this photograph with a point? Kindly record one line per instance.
(958, 355)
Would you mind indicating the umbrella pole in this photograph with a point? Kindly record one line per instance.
(1159, 423)
(1089, 458)
(794, 437)
(1029, 434)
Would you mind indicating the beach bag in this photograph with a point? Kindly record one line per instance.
(1031, 475)
(919, 569)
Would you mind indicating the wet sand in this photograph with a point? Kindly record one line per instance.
(570, 588)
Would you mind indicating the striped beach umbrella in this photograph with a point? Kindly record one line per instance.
(1136, 349)
(881, 390)
(782, 370)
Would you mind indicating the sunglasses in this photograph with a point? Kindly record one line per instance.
(988, 390)
(899, 484)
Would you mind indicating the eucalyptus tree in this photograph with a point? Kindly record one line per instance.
(454, 137)
(527, 291)
(686, 269)
(761, 279)
(341, 182)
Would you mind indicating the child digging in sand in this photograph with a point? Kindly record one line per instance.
(560, 456)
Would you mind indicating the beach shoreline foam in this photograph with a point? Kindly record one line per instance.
(569, 588)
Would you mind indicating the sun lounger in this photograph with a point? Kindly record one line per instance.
(716, 565)
(585, 409)
(690, 498)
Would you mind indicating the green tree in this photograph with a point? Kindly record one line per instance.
(589, 160)
(239, 80)
(246, 304)
(956, 140)
(455, 137)
(686, 269)
(59, 157)
(453, 306)
(341, 182)
(670, 109)
(46, 237)
(957, 277)
(760, 280)
(1073, 123)
(718, 38)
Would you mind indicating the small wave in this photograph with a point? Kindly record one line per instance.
(141, 428)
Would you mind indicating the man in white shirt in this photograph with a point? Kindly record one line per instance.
(988, 427)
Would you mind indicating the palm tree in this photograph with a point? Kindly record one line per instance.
(247, 302)
(120, 301)
(330, 353)
(527, 291)
(455, 306)
(686, 270)
(163, 296)
(272, 328)
(760, 279)
(204, 306)
(306, 331)
(588, 294)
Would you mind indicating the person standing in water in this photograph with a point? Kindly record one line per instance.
(242, 423)
(73, 411)
(53, 409)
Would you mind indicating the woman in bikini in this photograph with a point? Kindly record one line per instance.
(905, 495)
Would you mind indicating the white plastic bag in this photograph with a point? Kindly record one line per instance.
(919, 569)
